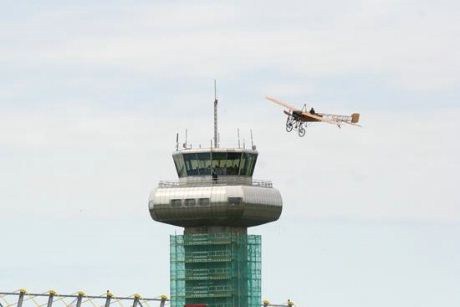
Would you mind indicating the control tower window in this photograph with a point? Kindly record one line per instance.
(215, 163)
(218, 163)
(180, 166)
(233, 163)
(204, 163)
(248, 162)
(176, 203)
(235, 201)
(190, 202)
(198, 164)
(191, 164)
(226, 163)
(203, 201)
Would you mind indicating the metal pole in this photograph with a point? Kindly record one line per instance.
(50, 298)
(216, 144)
(238, 138)
(163, 300)
(79, 298)
(22, 292)
(136, 300)
(108, 298)
(177, 141)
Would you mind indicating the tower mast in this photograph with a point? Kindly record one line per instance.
(216, 144)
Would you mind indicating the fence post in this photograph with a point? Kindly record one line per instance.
(137, 297)
(22, 292)
(80, 298)
(51, 293)
(163, 300)
(108, 298)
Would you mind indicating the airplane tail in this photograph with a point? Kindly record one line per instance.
(354, 118)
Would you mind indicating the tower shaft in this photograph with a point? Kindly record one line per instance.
(217, 266)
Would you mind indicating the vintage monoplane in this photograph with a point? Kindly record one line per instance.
(298, 118)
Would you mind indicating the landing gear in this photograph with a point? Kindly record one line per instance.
(295, 124)
(301, 130)
(289, 124)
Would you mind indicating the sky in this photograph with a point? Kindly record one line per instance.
(92, 95)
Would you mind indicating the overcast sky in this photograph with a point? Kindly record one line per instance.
(92, 95)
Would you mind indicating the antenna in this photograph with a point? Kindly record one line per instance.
(252, 142)
(216, 144)
(186, 137)
(238, 132)
(177, 141)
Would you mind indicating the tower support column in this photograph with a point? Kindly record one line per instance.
(217, 266)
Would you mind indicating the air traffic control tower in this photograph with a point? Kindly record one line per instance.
(215, 262)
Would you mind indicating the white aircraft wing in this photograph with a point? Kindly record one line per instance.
(282, 103)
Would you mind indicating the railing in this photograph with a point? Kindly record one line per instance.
(198, 182)
(22, 298)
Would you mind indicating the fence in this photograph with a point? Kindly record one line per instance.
(21, 298)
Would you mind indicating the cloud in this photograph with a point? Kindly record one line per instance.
(411, 44)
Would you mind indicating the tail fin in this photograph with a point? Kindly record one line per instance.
(354, 118)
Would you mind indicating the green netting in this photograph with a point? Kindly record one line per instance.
(219, 269)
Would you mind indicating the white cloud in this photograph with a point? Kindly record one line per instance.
(412, 44)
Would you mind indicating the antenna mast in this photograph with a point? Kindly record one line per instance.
(238, 131)
(216, 144)
(177, 141)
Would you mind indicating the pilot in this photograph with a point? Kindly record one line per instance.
(312, 111)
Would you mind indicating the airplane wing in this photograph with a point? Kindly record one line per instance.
(292, 108)
(282, 103)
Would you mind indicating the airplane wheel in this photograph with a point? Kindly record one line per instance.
(289, 127)
(301, 131)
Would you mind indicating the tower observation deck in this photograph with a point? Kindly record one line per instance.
(215, 262)
(215, 188)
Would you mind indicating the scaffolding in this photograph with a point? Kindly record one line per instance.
(218, 269)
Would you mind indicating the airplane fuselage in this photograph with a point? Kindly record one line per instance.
(298, 116)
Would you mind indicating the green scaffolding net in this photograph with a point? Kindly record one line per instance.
(218, 269)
